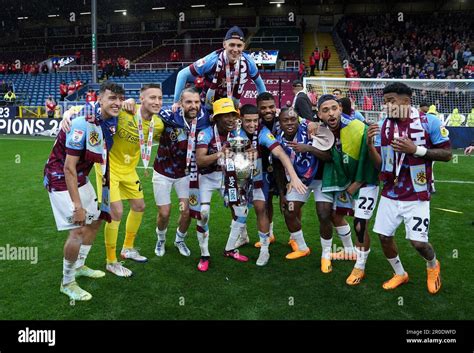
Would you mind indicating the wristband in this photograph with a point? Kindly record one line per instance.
(420, 151)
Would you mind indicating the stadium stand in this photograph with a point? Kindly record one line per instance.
(35, 89)
(381, 47)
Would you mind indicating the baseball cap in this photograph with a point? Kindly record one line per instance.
(234, 33)
(325, 98)
(297, 83)
(223, 106)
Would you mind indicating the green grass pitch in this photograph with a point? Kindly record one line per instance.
(172, 288)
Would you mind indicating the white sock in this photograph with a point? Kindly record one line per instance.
(161, 234)
(361, 258)
(235, 229)
(82, 256)
(264, 240)
(69, 271)
(431, 263)
(203, 239)
(299, 238)
(397, 265)
(271, 229)
(344, 233)
(180, 236)
(243, 232)
(326, 248)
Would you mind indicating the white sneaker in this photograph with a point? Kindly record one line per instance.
(85, 271)
(117, 269)
(263, 258)
(183, 249)
(132, 254)
(74, 292)
(160, 248)
(242, 239)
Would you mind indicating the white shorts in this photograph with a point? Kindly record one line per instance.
(415, 215)
(162, 188)
(207, 184)
(364, 206)
(63, 207)
(315, 187)
(258, 195)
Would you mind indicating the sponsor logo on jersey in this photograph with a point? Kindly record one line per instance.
(201, 136)
(270, 136)
(77, 135)
(444, 131)
(200, 62)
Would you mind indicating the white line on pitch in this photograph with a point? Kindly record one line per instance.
(27, 139)
(454, 181)
(447, 210)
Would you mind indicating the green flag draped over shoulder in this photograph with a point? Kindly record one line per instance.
(352, 163)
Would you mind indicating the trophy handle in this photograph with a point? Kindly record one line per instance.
(238, 124)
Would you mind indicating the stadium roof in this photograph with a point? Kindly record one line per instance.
(12, 9)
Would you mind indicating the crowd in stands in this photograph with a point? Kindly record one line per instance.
(114, 68)
(68, 89)
(421, 46)
(32, 68)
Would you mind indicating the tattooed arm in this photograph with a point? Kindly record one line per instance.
(439, 154)
(405, 145)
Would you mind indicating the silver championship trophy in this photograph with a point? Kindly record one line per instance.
(237, 161)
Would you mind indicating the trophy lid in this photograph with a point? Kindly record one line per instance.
(324, 138)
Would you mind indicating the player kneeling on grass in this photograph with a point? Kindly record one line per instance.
(137, 127)
(305, 158)
(406, 144)
(72, 196)
(352, 180)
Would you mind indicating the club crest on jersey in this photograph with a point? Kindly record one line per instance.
(420, 178)
(343, 197)
(94, 138)
(174, 135)
(270, 136)
(193, 200)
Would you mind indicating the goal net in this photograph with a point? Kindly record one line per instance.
(448, 96)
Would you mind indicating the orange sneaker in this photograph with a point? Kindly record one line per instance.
(395, 281)
(293, 244)
(343, 255)
(434, 278)
(272, 240)
(297, 254)
(326, 266)
(356, 276)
